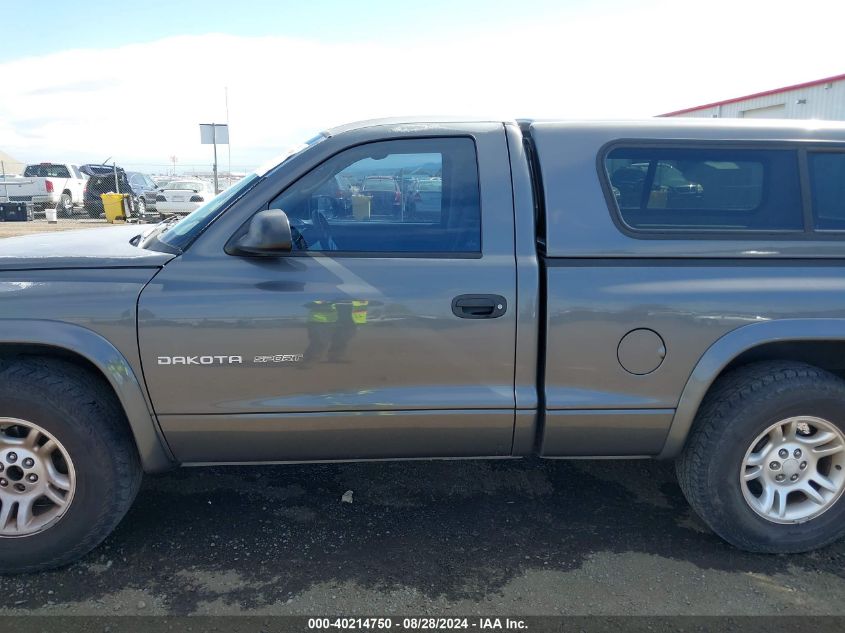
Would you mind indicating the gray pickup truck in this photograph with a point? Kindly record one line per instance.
(445, 289)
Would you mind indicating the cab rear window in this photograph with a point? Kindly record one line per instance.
(705, 189)
(46, 170)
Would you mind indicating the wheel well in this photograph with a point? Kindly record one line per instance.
(824, 353)
(827, 355)
(10, 352)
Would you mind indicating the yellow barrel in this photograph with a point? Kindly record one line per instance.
(116, 206)
(361, 207)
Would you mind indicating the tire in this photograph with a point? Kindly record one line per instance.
(64, 209)
(80, 411)
(731, 429)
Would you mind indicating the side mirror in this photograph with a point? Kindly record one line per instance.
(267, 235)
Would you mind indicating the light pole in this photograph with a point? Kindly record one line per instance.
(211, 134)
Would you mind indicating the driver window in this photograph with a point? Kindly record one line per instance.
(405, 196)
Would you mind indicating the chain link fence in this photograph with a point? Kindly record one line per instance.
(74, 189)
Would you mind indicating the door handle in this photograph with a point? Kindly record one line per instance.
(479, 306)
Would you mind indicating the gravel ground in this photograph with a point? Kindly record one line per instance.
(443, 537)
(12, 229)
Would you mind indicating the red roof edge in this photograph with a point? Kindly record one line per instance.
(765, 93)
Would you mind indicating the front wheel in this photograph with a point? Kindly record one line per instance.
(69, 469)
(764, 465)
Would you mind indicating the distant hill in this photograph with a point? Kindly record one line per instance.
(10, 165)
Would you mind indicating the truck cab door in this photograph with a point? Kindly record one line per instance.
(387, 332)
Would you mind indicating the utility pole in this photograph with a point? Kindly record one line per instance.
(214, 137)
(228, 145)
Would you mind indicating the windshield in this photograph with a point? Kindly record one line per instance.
(274, 162)
(46, 171)
(183, 232)
(379, 184)
(180, 234)
(186, 185)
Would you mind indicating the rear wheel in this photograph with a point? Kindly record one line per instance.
(65, 207)
(793, 471)
(70, 469)
(764, 465)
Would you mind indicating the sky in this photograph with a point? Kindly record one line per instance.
(83, 81)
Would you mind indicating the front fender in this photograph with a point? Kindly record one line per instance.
(727, 348)
(79, 341)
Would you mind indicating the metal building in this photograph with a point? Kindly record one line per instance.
(819, 99)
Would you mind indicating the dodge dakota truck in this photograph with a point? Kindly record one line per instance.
(670, 289)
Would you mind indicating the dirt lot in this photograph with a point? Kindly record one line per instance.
(11, 229)
(450, 537)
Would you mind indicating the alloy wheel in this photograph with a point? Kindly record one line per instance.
(37, 478)
(794, 470)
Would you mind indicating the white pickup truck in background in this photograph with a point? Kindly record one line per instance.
(46, 185)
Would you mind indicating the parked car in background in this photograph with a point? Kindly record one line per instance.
(667, 186)
(104, 179)
(385, 195)
(180, 197)
(424, 197)
(145, 190)
(46, 185)
(335, 196)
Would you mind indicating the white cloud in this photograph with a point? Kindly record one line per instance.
(142, 102)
